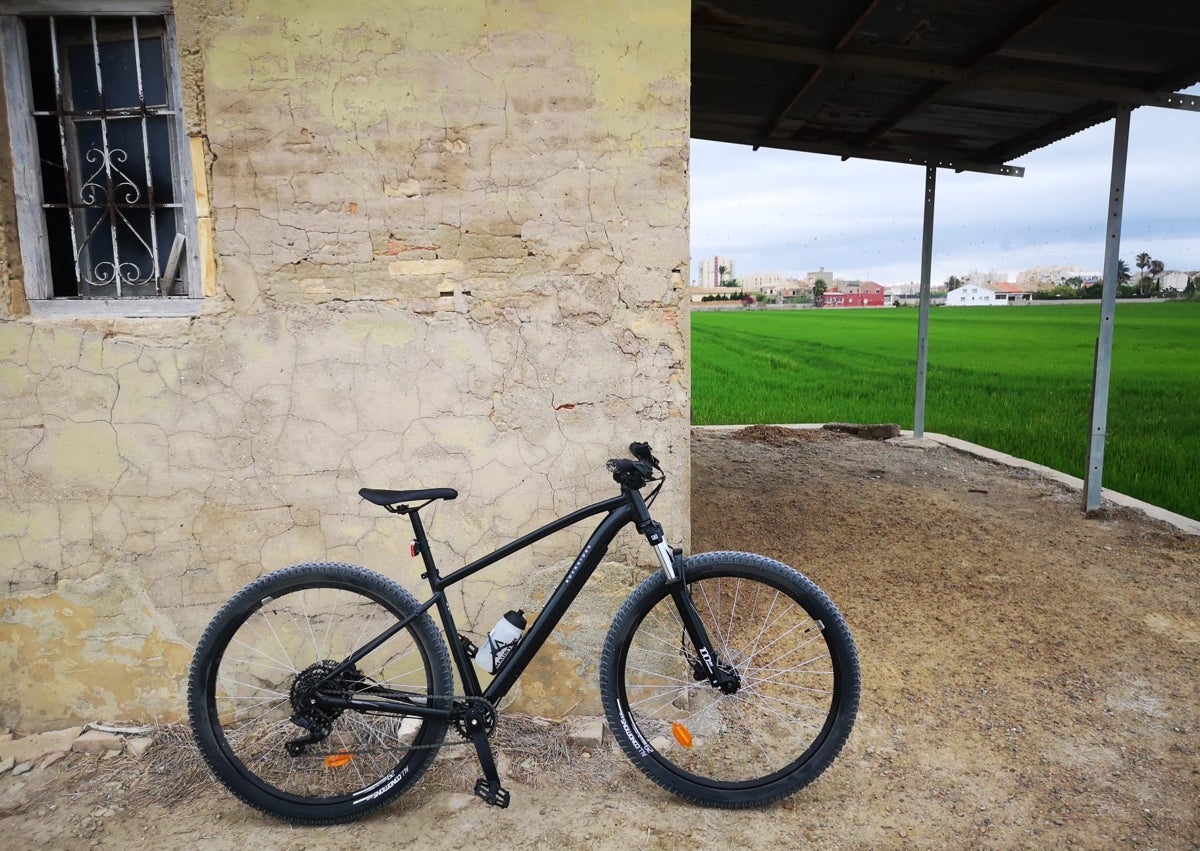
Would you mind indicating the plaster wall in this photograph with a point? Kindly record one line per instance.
(448, 248)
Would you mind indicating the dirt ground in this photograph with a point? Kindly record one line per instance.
(1029, 681)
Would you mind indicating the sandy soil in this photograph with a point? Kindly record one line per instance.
(1029, 680)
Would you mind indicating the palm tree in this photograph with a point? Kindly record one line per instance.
(1123, 275)
(1148, 280)
(818, 292)
(1143, 261)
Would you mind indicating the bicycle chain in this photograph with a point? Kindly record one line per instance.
(491, 707)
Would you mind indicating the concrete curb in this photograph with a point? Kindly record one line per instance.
(1184, 524)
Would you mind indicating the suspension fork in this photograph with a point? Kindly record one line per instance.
(718, 672)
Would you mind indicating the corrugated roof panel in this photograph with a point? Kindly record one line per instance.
(977, 80)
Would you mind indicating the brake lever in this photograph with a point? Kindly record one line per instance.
(642, 452)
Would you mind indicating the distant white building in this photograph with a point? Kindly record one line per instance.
(772, 284)
(987, 295)
(1173, 280)
(715, 271)
(1047, 277)
(980, 279)
(764, 281)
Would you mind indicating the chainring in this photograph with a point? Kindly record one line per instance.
(478, 713)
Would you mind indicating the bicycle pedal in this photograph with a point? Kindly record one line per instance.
(492, 793)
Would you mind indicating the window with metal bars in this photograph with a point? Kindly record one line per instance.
(98, 100)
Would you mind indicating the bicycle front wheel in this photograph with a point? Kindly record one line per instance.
(797, 672)
(261, 671)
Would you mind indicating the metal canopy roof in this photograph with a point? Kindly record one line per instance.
(962, 84)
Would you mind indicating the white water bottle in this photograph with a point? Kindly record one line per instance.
(501, 641)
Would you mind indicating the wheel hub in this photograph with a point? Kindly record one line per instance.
(305, 693)
(309, 708)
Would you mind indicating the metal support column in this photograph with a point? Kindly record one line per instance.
(1108, 306)
(923, 318)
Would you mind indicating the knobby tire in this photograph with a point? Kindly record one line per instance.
(795, 660)
(264, 652)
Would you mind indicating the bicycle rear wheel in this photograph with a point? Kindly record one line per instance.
(258, 675)
(795, 661)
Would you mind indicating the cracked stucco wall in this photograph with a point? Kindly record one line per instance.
(449, 241)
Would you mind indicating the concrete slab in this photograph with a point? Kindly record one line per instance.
(27, 748)
(931, 439)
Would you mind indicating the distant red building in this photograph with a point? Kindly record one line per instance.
(833, 298)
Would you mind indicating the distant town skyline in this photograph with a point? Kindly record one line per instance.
(788, 212)
(719, 271)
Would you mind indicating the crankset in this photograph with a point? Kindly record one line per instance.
(478, 716)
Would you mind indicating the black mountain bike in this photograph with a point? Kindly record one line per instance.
(322, 691)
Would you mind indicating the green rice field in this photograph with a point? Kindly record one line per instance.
(1016, 379)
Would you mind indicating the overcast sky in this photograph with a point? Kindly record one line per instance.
(782, 211)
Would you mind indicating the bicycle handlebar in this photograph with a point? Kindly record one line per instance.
(634, 474)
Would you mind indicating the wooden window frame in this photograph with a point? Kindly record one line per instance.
(27, 178)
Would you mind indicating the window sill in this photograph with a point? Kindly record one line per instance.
(115, 308)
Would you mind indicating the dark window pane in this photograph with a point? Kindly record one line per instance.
(93, 177)
(118, 66)
(95, 256)
(62, 257)
(118, 73)
(54, 178)
(81, 67)
(167, 222)
(126, 161)
(136, 251)
(154, 75)
(41, 64)
(158, 134)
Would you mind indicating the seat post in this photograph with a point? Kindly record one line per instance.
(421, 542)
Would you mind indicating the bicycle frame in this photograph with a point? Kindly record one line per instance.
(273, 673)
(621, 510)
(584, 565)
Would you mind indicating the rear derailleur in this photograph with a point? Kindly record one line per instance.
(309, 710)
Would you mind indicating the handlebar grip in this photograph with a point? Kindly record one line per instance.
(642, 452)
(632, 474)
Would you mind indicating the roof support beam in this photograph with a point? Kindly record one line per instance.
(1108, 306)
(803, 85)
(931, 158)
(1029, 19)
(1089, 116)
(1043, 82)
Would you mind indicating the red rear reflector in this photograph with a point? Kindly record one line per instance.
(412, 549)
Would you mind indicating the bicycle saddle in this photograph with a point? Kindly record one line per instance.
(388, 498)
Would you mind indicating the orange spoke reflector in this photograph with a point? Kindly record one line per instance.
(338, 760)
(681, 734)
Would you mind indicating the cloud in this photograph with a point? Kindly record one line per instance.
(789, 212)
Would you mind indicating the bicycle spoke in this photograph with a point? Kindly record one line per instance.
(291, 640)
(755, 737)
